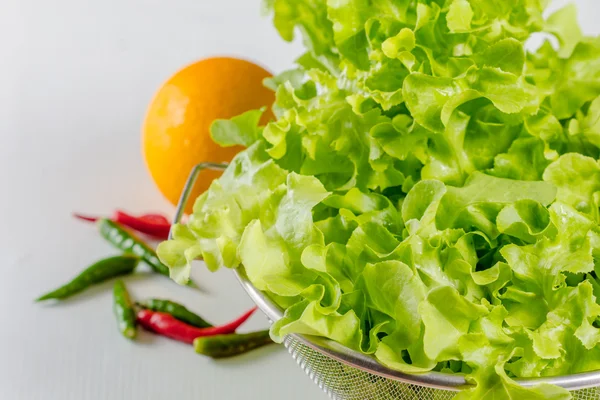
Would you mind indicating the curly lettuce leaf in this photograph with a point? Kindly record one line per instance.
(309, 16)
(445, 310)
(524, 160)
(428, 193)
(477, 204)
(563, 24)
(578, 181)
(240, 130)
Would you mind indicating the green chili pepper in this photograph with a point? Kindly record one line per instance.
(124, 312)
(129, 243)
(223, 346)
(176, 310)
(96, 273)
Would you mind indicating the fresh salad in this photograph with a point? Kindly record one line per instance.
(428, 193)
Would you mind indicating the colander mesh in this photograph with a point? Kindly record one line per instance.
(342, 382)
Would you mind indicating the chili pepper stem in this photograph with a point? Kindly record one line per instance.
(192, 284)
(130, 333)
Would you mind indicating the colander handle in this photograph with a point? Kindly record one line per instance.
(189, 185)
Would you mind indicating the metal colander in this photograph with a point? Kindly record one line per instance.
(342, 382)
(345, 374)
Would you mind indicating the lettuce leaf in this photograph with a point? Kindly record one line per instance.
(240, 130)
(428, 194)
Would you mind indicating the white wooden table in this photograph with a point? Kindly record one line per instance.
(75, 79)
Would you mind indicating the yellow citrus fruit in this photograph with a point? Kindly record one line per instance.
(176, 133)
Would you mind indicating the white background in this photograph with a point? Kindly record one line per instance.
(75, 79)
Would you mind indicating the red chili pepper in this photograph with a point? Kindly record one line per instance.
(155, 218)
(167, 325)
(155, 225)
(158, 230)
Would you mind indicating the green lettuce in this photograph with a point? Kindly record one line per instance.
(428, 194)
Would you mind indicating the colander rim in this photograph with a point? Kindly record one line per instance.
(366, 363)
